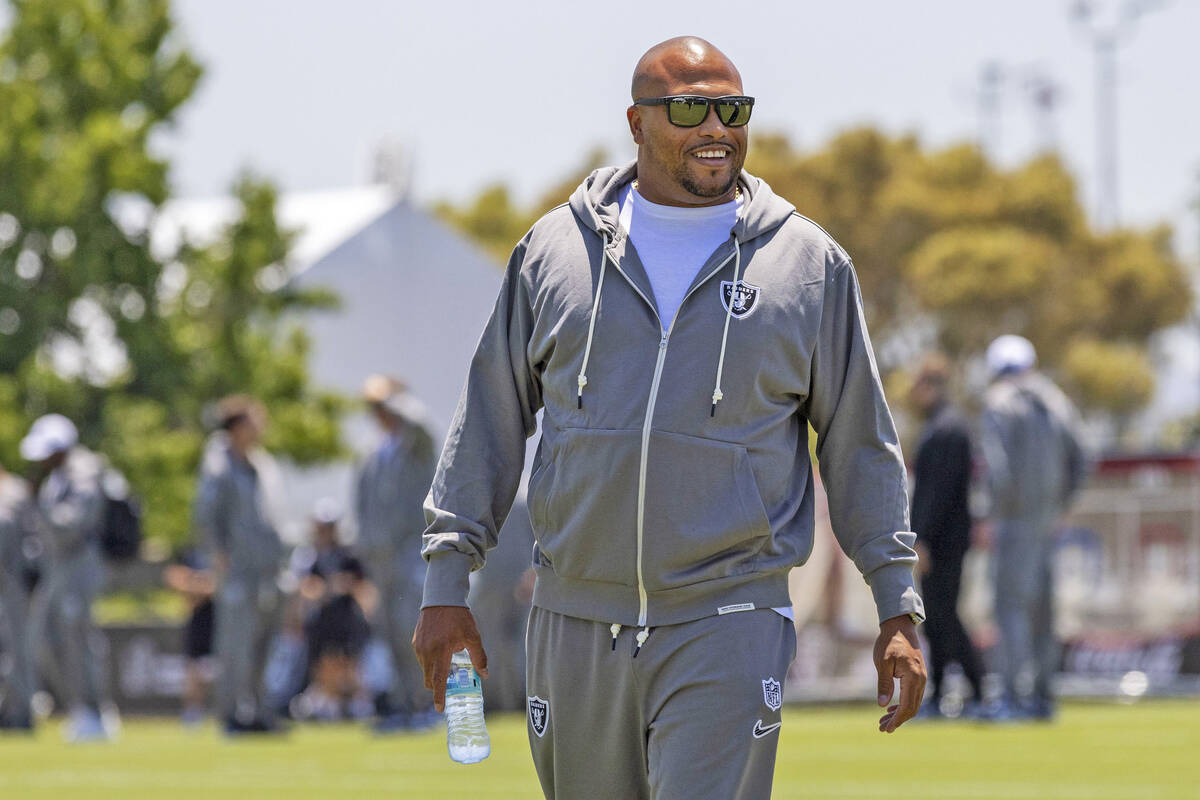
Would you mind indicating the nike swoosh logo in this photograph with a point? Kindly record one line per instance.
(760, 731)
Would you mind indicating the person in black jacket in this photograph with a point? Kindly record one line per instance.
(942, 521)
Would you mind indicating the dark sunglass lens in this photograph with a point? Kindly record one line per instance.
(687, 113)
(734, 113)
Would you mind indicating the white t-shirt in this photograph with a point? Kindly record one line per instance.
(674, 242)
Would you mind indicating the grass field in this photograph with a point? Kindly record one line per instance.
(1093, 752)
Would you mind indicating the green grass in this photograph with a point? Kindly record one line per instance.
(1093, 752)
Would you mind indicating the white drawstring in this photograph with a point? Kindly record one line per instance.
(587, 351)
(615, 628)
(642, 636)
(737, 264)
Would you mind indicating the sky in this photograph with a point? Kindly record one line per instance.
(305, 91)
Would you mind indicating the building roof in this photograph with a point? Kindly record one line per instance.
(324, 219)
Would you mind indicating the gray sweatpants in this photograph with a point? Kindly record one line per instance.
(1023, 570)
(63, 624)
(694, 715)
(17, 681)
(246, 619)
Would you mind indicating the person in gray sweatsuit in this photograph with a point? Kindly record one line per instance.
(18, 527)
(234, 518)
(671, 492)
(391, 486)
(1035, 464)
(71, 506)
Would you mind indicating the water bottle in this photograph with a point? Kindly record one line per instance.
(466, 735)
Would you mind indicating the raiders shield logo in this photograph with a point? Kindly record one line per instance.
(772, 694)
(539, 714)
(744, 298)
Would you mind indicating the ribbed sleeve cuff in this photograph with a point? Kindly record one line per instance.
(894, 591)
(447, 579)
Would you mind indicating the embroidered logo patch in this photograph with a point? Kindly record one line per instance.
(539, 714)
(760, 731)
(744, 298)
(772, 694)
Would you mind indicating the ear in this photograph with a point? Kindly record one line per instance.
(634, 115)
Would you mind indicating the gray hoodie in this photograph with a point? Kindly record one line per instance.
(672, 481)
(71, 501)
(388, 493)
(234, 509)
(1031, 445)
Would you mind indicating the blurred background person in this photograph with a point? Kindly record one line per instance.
(336, 634)
(307, 580)
(234, 518)
(502, 595)
(1035, 464)
(18, 527)
(389, 495)
(941, 518)
(325, 553)
(194, 579)
(71, 513)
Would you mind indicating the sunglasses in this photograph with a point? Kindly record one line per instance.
(688, 111)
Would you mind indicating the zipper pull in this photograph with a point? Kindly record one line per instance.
(662, 343)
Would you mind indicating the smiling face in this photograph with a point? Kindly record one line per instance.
(686, 166)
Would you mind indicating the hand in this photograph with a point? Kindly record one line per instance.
(441, 632)
(898, 655)
(523, 591)
(982, 535)
(924, 560)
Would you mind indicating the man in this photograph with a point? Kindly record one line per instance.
(1035, 465)
(391, 486)
(941, 518)
(18, 527)
(680, 326)
(71, 505)
(234, 518)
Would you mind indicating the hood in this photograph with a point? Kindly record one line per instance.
(596, 204)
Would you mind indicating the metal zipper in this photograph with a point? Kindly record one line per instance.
(643, 599)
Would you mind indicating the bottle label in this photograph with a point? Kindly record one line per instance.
(462, 680)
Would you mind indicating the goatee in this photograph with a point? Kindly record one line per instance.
(708, 191)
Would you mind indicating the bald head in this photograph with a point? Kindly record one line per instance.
(684, 59)
(686, 164)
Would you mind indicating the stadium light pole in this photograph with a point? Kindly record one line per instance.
(990, 96)
(1044, 94)
(1106, 35)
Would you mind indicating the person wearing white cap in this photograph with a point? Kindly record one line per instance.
(71, 505)
(18, 529)
(234, 519)
(389, 493)
(1035, 464)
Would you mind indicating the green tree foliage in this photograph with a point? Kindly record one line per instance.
(952, 251)
(496, 223)
(94, 323)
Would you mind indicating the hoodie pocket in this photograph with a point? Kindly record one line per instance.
(704, 517)
(583, 505)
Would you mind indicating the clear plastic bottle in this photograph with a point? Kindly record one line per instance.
(466, 734)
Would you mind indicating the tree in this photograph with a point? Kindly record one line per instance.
(94, 323)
